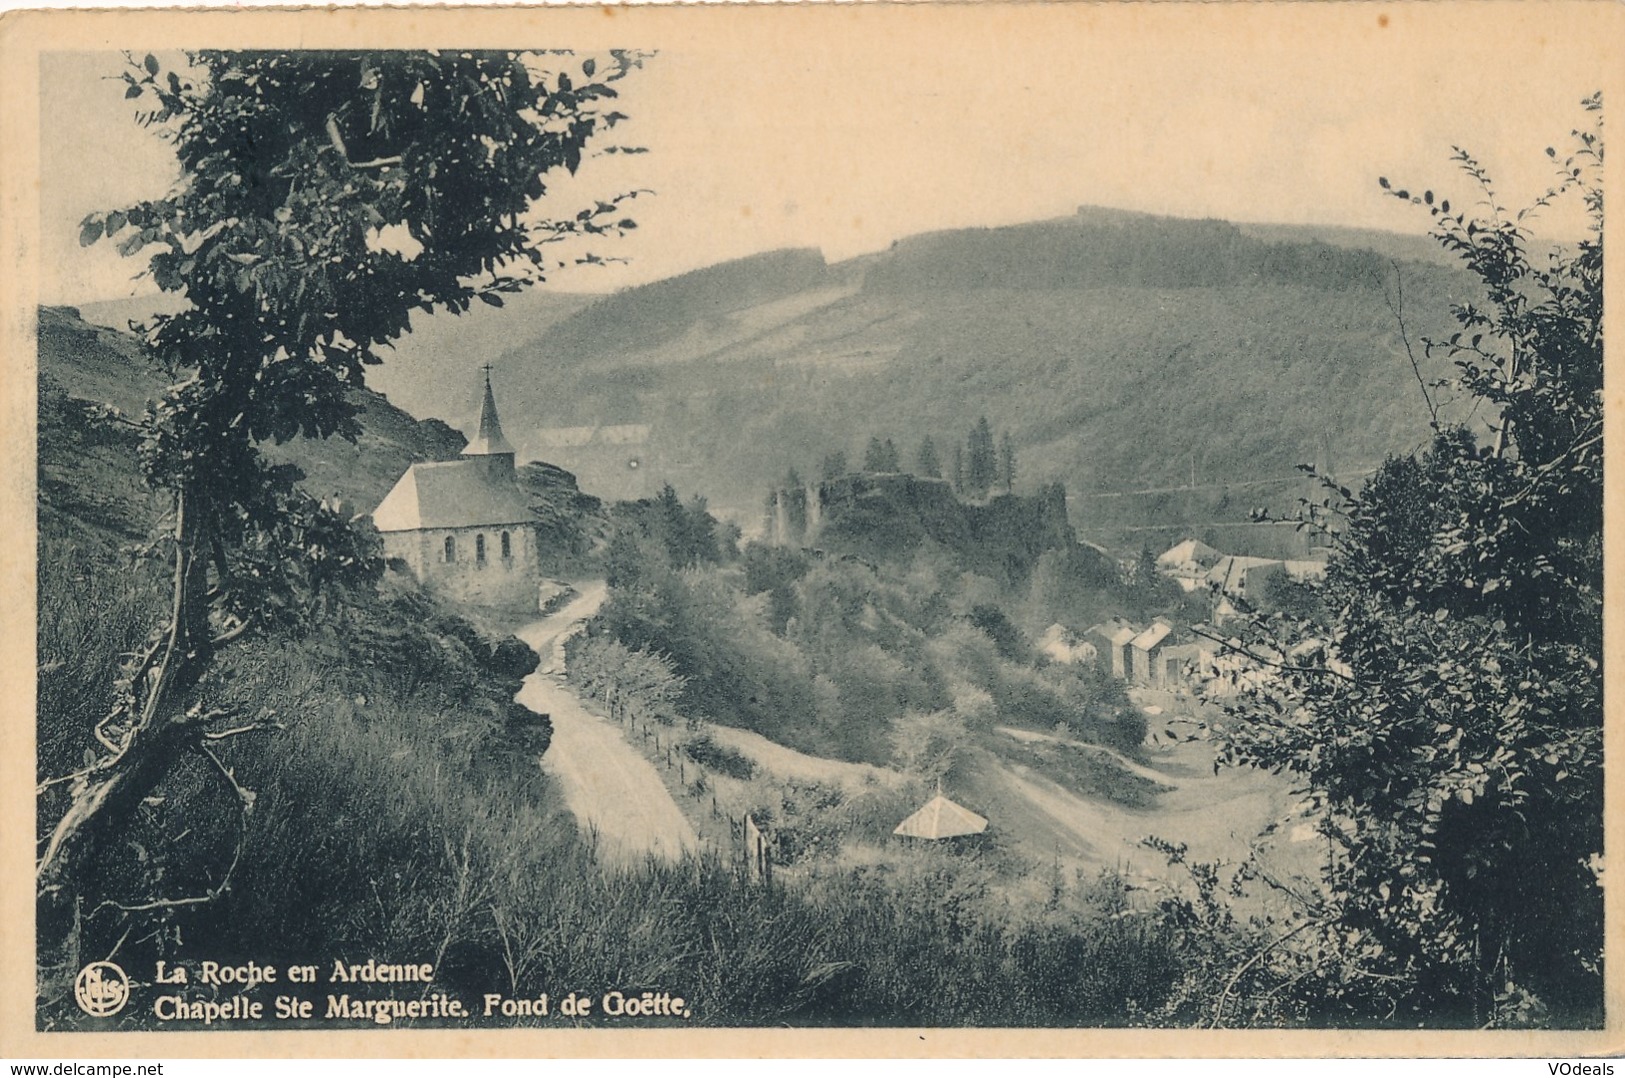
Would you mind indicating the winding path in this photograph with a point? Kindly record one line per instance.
(612, 789)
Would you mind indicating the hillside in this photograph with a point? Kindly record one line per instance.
(83, 362)
(1122, 352)
(431, 372)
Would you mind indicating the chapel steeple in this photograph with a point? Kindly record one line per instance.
(489, 442)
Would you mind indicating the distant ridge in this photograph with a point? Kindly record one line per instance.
(646, 314)
(1121, 350)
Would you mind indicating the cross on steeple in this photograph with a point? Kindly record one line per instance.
(488, 440)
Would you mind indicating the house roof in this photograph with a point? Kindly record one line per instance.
(1153, 636)
(1123, 634)
(450, 494)
(1190, 552)
(1231, 571)
(942, 818)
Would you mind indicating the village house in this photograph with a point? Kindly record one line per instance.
(1248, 580)
(1111, 642)
(464, 527)
(1145, 651)
(1185, 665)
(1065, 646)
(1187, 563)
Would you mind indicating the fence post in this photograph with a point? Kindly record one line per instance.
(758, 868)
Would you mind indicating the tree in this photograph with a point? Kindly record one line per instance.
(834, 466)
(880, 456)
(1450, 736)
(959, 469)
(981, 462)
(926, 462)
(1007, 463)
(323, 198)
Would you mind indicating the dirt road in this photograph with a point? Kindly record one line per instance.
(609, 786)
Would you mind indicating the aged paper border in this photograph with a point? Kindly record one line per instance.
(1443, 33)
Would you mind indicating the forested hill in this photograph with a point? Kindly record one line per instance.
(1121, 351)
(1103, 251)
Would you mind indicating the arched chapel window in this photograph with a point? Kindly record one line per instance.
(451, 548)
(507, 546)
(479, 548)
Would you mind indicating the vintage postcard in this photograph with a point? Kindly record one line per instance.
(881, 530)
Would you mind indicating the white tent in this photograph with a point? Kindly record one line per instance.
(941, 818)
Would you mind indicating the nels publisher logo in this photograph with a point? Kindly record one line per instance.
(101, 989)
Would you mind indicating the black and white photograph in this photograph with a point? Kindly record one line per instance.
(1067, 520)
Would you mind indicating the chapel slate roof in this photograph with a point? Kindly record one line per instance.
(451, 494)
(488, 440)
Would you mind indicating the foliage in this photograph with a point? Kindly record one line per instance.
(1005, 636)
(391, 820)
(881, 456)
(1450, 736)
(926, 462)
(775, 570)
(680, 536)
(981, 461)
(1144, 590)
(929, 744)
(382, 705)
(640, 684)
(834, 656)
(704, 749)
(323, 198)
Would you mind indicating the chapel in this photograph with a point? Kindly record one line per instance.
(464, 527)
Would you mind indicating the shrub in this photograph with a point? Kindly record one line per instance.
(703, 749)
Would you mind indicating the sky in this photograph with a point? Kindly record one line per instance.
(848, 133)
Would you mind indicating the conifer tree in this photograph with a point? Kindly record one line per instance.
(926, 462)
(981, 460)
(874, 456)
